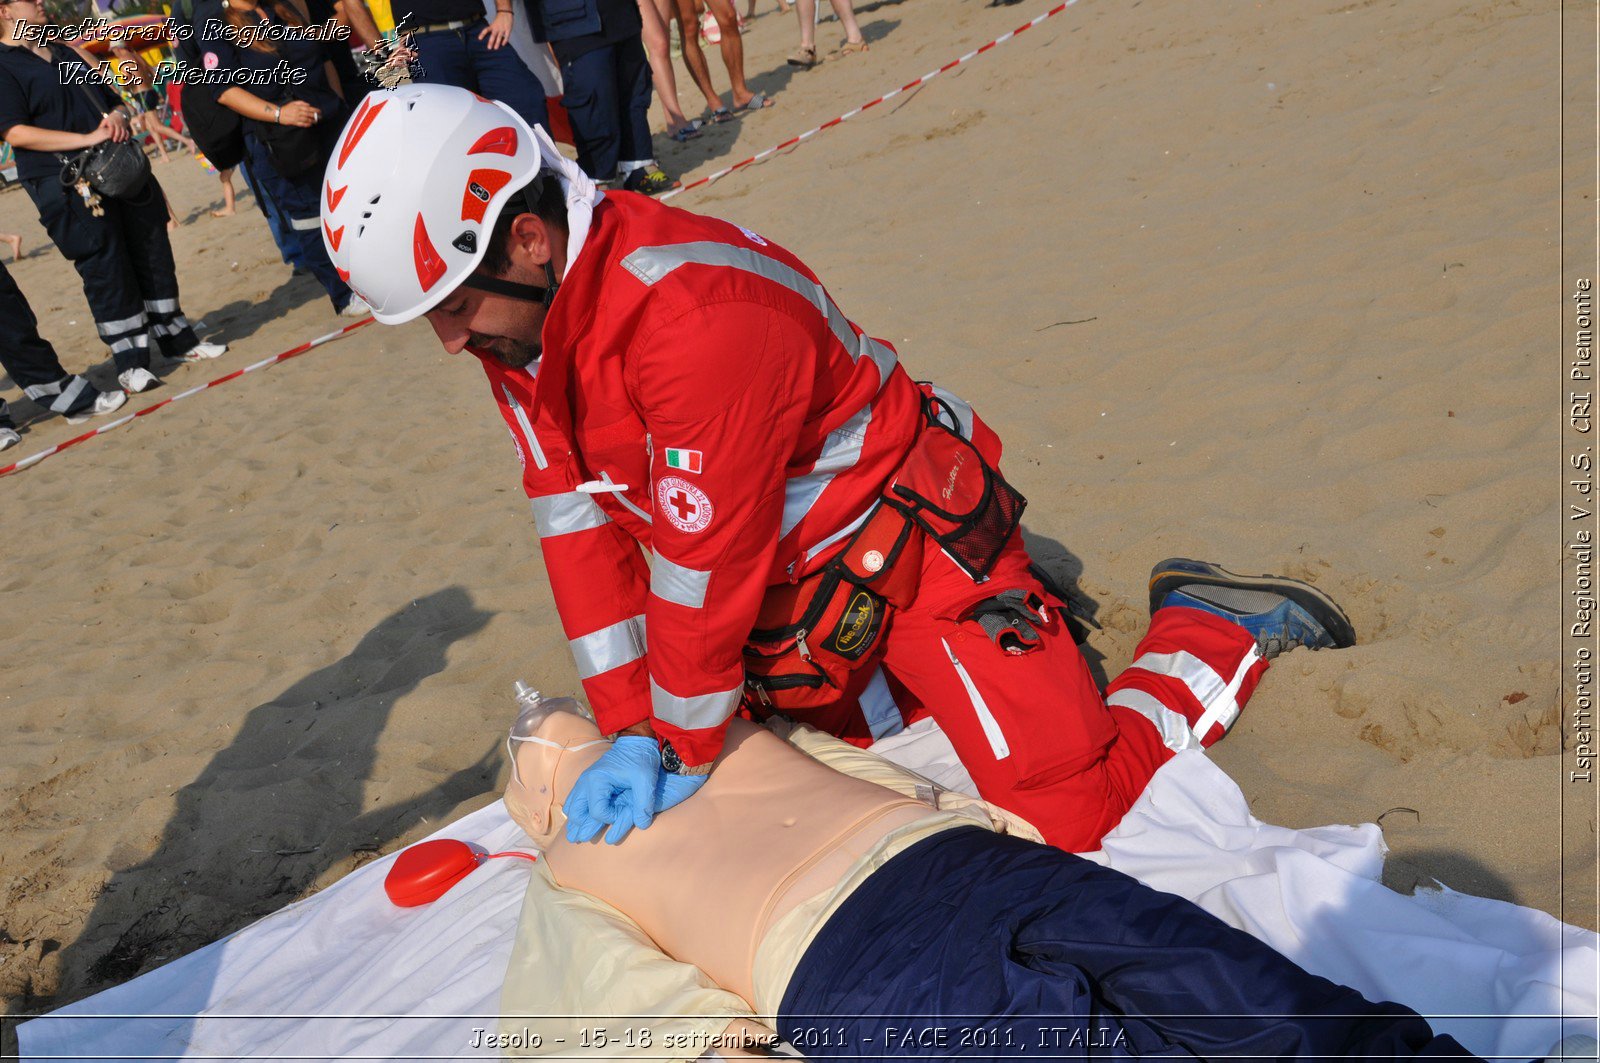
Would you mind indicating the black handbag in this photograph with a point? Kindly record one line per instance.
(120, 171)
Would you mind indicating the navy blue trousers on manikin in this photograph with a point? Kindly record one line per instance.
(982, 946)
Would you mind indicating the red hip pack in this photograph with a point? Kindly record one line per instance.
(809, 636)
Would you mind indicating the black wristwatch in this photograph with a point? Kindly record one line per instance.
(673, 764)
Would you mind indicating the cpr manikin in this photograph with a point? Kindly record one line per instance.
(770, 829)
(827, 902)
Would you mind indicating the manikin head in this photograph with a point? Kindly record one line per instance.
(441, 203)
(549, 750)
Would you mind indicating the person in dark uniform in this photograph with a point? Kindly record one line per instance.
(606, 77)
(289, 130)
(54, 102)
(456, 45)
(32, 364)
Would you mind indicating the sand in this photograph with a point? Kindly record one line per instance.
(1271, 285)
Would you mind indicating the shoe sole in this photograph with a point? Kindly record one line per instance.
(1172, 573)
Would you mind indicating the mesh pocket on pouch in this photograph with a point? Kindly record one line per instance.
(957, 498)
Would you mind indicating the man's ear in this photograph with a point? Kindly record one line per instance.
(531, 237)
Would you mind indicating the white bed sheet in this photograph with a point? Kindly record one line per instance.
(346, 975)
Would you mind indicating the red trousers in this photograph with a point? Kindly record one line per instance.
(1032, 729)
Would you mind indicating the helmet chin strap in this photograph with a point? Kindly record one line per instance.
(528, 293)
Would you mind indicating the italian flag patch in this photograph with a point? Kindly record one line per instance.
(687, 460)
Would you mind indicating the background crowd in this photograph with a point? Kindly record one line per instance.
(584, 69)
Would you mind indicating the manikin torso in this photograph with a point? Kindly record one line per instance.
(770, 828)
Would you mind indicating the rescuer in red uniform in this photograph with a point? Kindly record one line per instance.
(744, 501)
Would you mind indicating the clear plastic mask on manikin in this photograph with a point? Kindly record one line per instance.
(535, 709)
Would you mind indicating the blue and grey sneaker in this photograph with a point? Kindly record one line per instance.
(1281, 613)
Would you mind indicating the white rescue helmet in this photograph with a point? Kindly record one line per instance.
(413, 189)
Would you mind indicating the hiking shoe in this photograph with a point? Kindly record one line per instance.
(201, 351)
(137, 380)
(105, 402)
(9, 438)
(1280, 613)
(649, 181)
(356, 307)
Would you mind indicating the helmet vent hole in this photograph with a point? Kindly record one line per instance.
(374, 200)
(359, 230)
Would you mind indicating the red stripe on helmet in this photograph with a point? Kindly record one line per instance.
(334, 235)
(334, 197)
(430, 267)
(358, 128)
(501, 141)
(487, 182)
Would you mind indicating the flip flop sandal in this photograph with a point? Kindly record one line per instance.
(717, 117)
(685, 133)
(755, 103)
(853, 48)
(804, 58)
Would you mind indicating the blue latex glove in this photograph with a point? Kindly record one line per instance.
(618, 789)
(671, 789)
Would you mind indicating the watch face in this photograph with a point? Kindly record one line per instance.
(669, 758)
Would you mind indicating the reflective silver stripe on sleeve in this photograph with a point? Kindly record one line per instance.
(694, 713)
(840, 451)
(161, 306)
(611, 647)
(565, 513)
(672, 582)
(653, 264)
(527, 430)
(304, 225)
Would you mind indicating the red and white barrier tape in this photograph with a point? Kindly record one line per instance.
(293, 352)
(791, 142)
(907, 87)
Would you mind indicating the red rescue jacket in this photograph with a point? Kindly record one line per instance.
(700, 397)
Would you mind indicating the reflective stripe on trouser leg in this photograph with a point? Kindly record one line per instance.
(1194, 666)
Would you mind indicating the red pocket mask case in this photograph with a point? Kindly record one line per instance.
(426, 871)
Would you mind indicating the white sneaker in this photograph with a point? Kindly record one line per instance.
(201, 351)
(356, 307)
(137, 380)
(107, 402)
(9, 438)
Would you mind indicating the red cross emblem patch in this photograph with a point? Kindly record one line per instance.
(686, 506)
